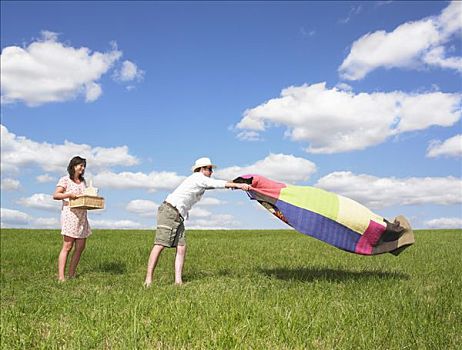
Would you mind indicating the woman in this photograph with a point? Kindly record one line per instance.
(74, 223)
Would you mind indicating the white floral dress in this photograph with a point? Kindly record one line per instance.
(74, 221)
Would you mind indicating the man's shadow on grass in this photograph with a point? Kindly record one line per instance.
(309, 274)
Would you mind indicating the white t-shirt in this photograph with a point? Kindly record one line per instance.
(191, 190)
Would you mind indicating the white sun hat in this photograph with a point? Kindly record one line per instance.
(202, 162)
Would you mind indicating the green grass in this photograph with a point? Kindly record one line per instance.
(244, 290)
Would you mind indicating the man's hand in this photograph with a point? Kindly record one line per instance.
(244, 187)
(241, 186)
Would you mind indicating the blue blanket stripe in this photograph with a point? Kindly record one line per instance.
(320, 227)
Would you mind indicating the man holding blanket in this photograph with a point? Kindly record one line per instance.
(170, 230)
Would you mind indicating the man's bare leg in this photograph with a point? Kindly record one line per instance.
(152, 262)
(179, 262)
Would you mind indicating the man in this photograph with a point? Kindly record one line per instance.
(172, 212)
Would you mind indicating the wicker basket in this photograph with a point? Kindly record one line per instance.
(87, 202)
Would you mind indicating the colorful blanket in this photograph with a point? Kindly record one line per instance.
(329, 217)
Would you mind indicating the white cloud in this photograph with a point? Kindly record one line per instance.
(92, 92)
(198, 216)
(307, 33)
(129, 180)
(46, 223)
(115, 224)
(17, 219)
(206, 201)
(444, 223)
(13, 218)
(437, 57)
(286, 168)
(249, 135)
(143, 207)
(46, 178)
(420, 111)
(40, 201)
(451, 147)
(354, 11)
(198, 212)
(450, 20)
(378, 193)
(10, 184)
(391, 50)
(18, 152)
(128, 72)
(50, 71)
(344, 87)
(410, 45)
(382, 3)
(214, 222)
(332, 120)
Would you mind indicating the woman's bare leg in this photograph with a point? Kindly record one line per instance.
(79, 247)
(68, 243)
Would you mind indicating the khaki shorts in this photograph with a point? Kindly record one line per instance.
(170, 230)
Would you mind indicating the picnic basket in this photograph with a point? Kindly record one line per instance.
(87, 202)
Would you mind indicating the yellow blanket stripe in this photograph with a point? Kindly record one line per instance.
(313, 199)
(356, 216)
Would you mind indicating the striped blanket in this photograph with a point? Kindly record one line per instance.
(329, 217)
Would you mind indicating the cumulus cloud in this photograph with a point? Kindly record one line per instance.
(115, 224)
(451, 147)
(306, 33)
(249, 135)
(10, 184)
(209, 201)
(198, 216)
(142, 207)
(40, 201)
(51, 71)
(46, 223)
(128, 72)
(354, 11)
(344, 87)
(216, 222)
(286, 168)
(410, 45)
(130, 180)
(378, 193)
(45, 178)
(334, 120)
(444, 223)
(198, 212)
(18, 152)
(437, 57)
(11, 218)
(93, 92)
(14, 218)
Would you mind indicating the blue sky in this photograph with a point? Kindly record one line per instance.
(359, 98)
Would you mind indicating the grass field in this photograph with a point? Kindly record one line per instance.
(243, 290)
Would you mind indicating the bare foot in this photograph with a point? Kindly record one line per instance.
(147, 284)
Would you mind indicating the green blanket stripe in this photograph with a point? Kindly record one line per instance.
(314, 199)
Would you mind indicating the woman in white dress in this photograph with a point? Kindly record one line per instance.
(74, 223)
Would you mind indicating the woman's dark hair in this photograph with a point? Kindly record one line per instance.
(76, 161)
